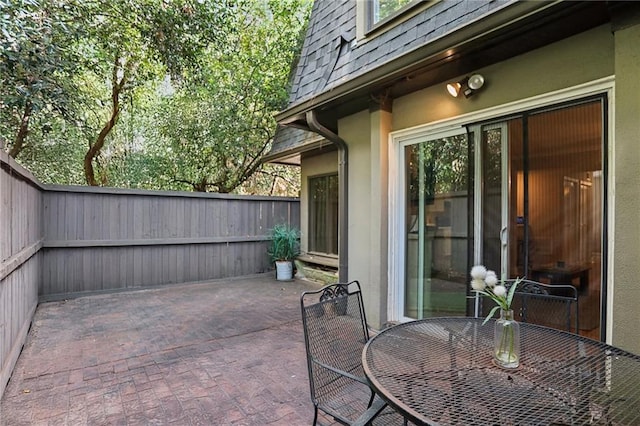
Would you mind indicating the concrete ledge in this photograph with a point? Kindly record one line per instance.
(313, 273)
(319, 259)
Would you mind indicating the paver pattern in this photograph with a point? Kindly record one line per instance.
(228, 352)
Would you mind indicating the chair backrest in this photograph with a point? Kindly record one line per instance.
(335, 332)
(553, 306)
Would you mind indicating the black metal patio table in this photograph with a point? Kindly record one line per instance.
(440, 371)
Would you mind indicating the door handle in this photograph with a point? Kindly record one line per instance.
(503, 236)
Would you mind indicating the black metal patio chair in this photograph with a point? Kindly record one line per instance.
(554, 306)
(335, 332)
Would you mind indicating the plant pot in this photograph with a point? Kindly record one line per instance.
(284, 270)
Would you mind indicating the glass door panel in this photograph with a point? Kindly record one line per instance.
(524, 196)
(541, 202)
(493, 202)
(437, 185)
(564, 194)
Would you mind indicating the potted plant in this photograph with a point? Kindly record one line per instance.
(284, 248)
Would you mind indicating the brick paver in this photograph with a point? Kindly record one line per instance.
(227, 352)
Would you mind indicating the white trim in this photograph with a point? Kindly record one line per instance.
(611, 195)
(447, 127)
(396, 223)
(477, 207)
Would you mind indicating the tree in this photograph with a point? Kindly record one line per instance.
(36, 68)
(130, 42)
(161, 94)
(273, 179)
(219, 123)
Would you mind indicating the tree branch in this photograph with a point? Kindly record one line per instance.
(94, 150)
(23, 130)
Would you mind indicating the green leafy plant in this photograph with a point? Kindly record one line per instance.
(285, 243)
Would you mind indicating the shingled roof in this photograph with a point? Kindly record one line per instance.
(334, 20)
(290, 142)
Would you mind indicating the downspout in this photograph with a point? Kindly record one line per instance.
(343, 186)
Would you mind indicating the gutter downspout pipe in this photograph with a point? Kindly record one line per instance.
(343, 186)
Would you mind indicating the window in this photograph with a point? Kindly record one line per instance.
(374, 17)
(323, 214)
(383, 9)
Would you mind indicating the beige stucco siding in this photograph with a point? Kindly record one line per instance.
(367, 136)
(354, 130)
(317, 165)
(625, 250)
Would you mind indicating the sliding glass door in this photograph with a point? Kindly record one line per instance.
(522, 195)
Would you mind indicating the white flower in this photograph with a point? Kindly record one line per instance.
(478, 272)
(491, 279)
(500, 290)
(478, 285)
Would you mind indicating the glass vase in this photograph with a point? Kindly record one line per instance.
(506, 340)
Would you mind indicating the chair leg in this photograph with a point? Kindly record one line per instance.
(373, 395)
(315, 415)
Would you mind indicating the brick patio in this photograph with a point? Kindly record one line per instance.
(217, 353)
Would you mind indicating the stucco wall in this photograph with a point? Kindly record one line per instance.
(317, 165)
(625, 250)
(354, 130)
(368, 195)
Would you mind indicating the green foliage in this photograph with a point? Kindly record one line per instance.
(441, 164)
(36, 69)
(149, 94)
(219, 122)
(56, 158)
(272, 179)
(131, 42)
(285, 243)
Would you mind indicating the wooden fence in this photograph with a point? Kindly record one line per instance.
(60, 241)
(21, 235)
(106, 239)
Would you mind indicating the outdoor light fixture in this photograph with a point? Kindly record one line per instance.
(467, 86)
(454, 89)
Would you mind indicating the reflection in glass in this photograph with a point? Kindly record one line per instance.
(382, 9)
(437, 240)
(323, 214)
(492, 197)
